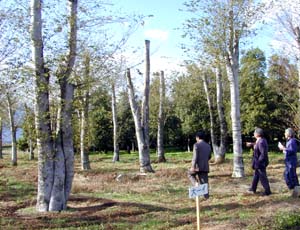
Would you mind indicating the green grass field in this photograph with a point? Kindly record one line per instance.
(153, 201)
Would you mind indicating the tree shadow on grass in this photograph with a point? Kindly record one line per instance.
(82, 212)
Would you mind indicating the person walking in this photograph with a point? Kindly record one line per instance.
(260, 161)
(198, 173)
(290, 160)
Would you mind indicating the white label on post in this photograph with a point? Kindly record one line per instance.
(199, 190)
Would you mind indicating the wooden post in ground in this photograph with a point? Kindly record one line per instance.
(198, 212)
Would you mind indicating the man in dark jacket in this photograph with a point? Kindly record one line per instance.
(260, 162)
(199, 170)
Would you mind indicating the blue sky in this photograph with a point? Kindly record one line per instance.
(165, 40)
(160, 29)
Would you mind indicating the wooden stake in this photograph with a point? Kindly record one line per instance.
(198, 212)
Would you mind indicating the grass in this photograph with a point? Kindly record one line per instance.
(152, 201)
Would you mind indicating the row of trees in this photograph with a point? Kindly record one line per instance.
(80, 103)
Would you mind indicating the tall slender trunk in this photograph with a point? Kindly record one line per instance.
(1, 130)
(161, 119)
(232, 67)
(42, 112)
(145, 105)
(14, 159)
(144, 155)
(85, 161)
(84, 117)
(30, 131)
(220, 155)
(116, 156)
(211, 116)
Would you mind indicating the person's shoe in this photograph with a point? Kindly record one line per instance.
(251, 191)
(266, 193)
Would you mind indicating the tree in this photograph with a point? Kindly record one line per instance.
(161, 119)
(282, 86)
(29, 132)
(254, 96)
(116, 156)
(56, 165)
(285, 16)
(217, 33)
(125, 122)
(189, 101)
(141, 118)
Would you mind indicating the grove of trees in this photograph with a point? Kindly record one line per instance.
(66, 85)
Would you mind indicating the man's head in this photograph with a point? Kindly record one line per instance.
(200, 135)
(258, 132)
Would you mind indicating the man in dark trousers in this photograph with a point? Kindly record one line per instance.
(199, 170)
(260, 162)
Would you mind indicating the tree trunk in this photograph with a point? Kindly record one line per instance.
(85, 162)
(220, 155)
(64, 163)
(211, 117)
(145, 162)
(1, 130)
(84, 124)
(116, 156)
(11, 114)
(161, 118)
(31, 152)
(42, 113)
(232, 67)
(144, 155)
(55, 173)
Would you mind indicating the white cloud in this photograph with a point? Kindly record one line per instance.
(157, 34)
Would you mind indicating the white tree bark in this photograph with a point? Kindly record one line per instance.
(44, 137)
(11, 114)
(84, 117)
(64, 159)
(161, 119)
(232, 68)
(145, 102)
(56, 169)
(220, 155)
(116, 156)
(144, 155)
(85, 162)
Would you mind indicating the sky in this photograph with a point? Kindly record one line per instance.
(160, 29)
(164, 39)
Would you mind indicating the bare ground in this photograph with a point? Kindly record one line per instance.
(229, 206)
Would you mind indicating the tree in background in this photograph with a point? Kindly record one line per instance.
(217, 29)
(100, 120)
(190, 106)
(161, 118)
(141, 113)
(284, 16)
(254, 93)
(282, 83)
(126, 123)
